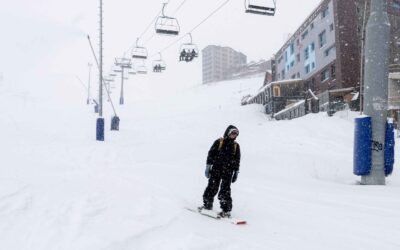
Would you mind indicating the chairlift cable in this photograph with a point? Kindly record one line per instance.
(196, 27)
(180, 6)
(150, 24)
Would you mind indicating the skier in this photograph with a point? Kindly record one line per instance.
(222, 169)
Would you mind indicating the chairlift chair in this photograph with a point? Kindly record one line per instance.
(142, 71)
(166, 25)
(261, 7)
(141, 68)
(159, 65)
(139, 52)
(188, 51)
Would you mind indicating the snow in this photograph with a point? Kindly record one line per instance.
(61, 189)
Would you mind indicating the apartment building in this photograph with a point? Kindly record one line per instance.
(325, 51)
(219, 62)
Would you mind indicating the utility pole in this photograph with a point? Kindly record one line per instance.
(376, 87)
(88, 96)
(100, 120)
(123, 63)
(362, 57)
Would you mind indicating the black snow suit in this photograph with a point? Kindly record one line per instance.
(224, 156)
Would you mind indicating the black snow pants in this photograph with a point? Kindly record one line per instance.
(216, 180)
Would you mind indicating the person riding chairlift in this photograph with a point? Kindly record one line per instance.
(182, 55)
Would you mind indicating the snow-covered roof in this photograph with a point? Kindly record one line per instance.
(355, 97)
(313, 95)
(394, 75)
(278, 82)
(341, 90)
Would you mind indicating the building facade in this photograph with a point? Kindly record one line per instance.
(326, 50)
(219, 63)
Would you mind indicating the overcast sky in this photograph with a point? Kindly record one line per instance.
(49, 36)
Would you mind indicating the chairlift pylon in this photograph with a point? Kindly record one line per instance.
(159, 65)
(139, 52)
(166, 25)
(260, 7)
(188, 51)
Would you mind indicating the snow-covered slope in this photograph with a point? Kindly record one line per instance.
(61, 189)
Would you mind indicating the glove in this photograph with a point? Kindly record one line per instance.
(208, 170)
(235, 175)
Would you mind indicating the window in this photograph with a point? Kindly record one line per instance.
(294, 76)
(277, 91)
(312, 25)
(297, 42)
(283, 74)
(306, 53)
(312, 65)
(396, 5)
(325, 12)
(312, 46)
(307, 68)
(331, 27)
(286, 56)
(292, 64)
(298, 57)
(333, 70)
(280, 59)
(298, 75)
(325, 75)
(304, 35)
(331, 49)
(291, 49)
(322, 38)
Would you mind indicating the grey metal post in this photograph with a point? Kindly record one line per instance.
(123, 63)
(90, 69)
(376, 86)
(121, 99)
(362, 57)
(101, 62)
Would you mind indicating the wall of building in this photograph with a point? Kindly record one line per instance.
(218, 62)
(311, 49)
(337, 63)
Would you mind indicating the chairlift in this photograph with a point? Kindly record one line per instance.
(188, 51)
(261, 7)
(159, 65)
(141, 68)
(166, 25)
(139, 52)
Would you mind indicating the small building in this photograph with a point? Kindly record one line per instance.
(275, 96)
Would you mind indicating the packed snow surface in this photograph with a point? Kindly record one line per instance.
(61, 189)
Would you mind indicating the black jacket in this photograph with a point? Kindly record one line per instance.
(225, 157)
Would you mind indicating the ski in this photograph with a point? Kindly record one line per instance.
(213, 214)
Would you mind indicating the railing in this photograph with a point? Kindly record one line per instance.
(296, 110)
